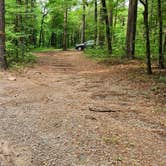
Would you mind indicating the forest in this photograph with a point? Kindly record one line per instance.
(129, 29)
(82, 82)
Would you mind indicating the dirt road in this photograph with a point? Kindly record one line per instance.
(47, 115)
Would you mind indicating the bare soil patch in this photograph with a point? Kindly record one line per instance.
(45, 116)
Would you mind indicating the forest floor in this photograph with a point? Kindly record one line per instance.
(48, 118)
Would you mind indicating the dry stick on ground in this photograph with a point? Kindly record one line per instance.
(100, 109)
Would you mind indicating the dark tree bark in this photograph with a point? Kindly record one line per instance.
(151, 14)
(65, 30)
(131, 29)
(41, 34)
(83, 21)
(101, 35)
(164, 43)
(108, 34)
(53, 39)
(116, 14)
(26, 17)
(18, 29)
(111, 15)
(33, 36)
(161, 56)
(3, 64)
(111, 18)
(146, 22)
(95, 18)
(123, 18)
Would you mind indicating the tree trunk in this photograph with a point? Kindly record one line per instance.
(41, 34)
(108, 34)
(111, 18)
(161, 56)
(83, 23)
(131, 29)
(3, 64)
(33, 36)
(53, 39)
(151, 14)
(26, 30)
(41, 31)
(146, 22)
(95, 35)
(164, 43)
(18, 29)
(101, 35)
(116, 14)
(65, 31)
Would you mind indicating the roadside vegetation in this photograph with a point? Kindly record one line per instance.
(82, 82)
(119, 28)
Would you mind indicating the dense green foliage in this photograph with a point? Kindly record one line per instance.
(21, 26)
(32, 24)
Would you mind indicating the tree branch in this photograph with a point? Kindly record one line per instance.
(142, 2)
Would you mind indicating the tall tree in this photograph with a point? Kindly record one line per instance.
(17, 30)
(95, 18)
(3, 64)
(84, 3)
(101, 34)
(41, 34)
(164, 43)
(116, 13)
(131, 29)
(108, 34)
(161, 56)
(111, 15)
(146, 23)
(65, 30)
(33, 32)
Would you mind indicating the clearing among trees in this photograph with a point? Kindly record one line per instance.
(48, 115)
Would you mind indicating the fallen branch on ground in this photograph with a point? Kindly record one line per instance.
(94, 109)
